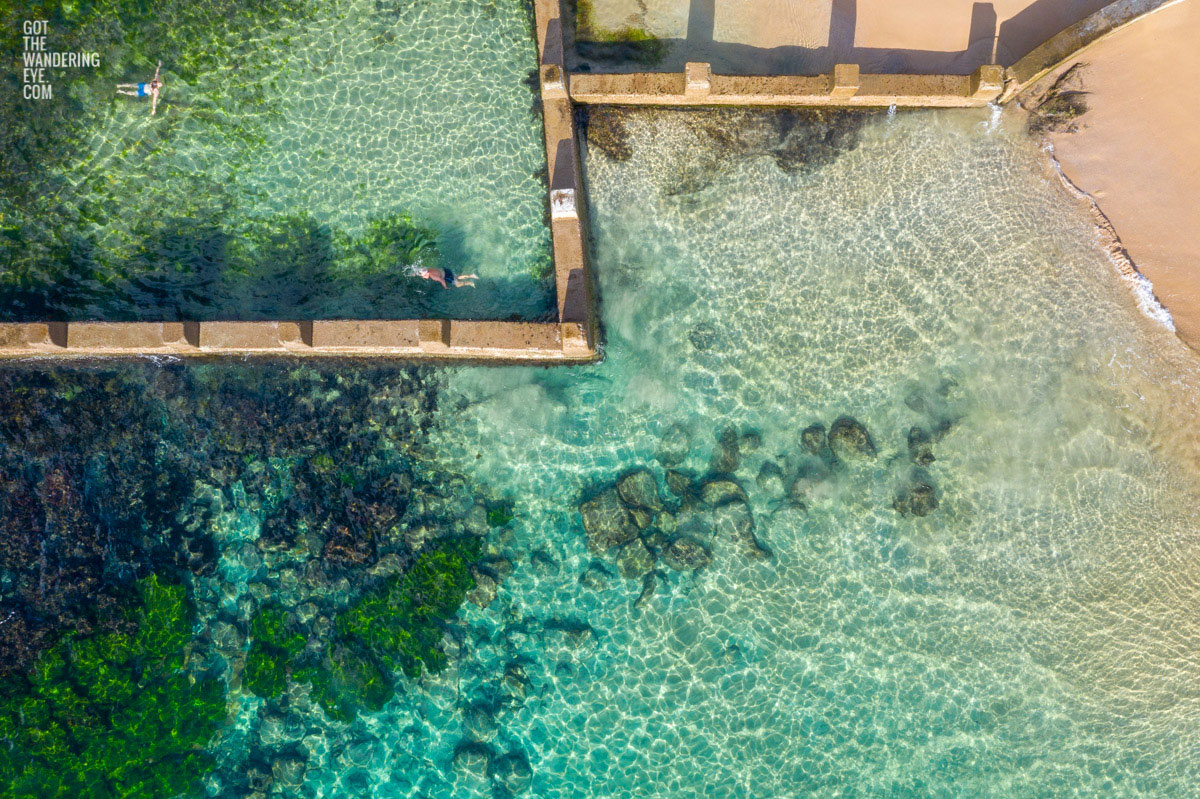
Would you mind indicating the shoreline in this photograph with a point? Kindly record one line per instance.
(1118, 255)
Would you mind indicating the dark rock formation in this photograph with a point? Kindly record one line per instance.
(849, 439)
(917, 496)
(720, 490)
(607, 522)
(639, 490)
(727, 455)
(813, 438)
(686, 554)
(734, 521)
(920, 446)
(634, 559)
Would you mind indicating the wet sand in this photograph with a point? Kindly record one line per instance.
(801, 36)
(1137, 151)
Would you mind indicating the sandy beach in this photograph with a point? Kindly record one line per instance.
(1136, 151)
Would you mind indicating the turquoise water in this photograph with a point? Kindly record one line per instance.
(254, 191)
(1033, 635)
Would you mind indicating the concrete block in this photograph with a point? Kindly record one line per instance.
(562, 204)
(843, 81)
(33, 335)
(126, 335)
(364, 334)
(697, 79)
(433, 335)
(554, 84)
(250, 335)
(987, 82)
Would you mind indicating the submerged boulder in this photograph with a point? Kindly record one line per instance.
(681, 484)
(735, 521)
(686, 554)
(916, 497)
(727, 455)
(607, 522)
(634, 559)
(471, 757)
(649, 586)
(639, 490)
(512, 772)
(849, 439)
(770, 478)
(813, 438)
(674, 446)
(920, 446)
(720, 490)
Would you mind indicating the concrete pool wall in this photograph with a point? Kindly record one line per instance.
(573, 337)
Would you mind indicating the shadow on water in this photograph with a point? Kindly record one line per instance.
(985, 44)
(288, 266)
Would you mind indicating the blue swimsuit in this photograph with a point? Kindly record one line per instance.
(142, 90)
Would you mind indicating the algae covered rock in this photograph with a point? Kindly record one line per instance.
(608, 523)
(849, 439)
(512, 772)
(273, 649)
(686, 554)
(113, 714)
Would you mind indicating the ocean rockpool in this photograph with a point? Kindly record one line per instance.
(304, 153)
(915, 284)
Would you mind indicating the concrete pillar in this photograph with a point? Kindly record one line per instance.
(562, 204)
(433, 335)
(554, 85)
(697, 79)
(987, 82)
(843, 81)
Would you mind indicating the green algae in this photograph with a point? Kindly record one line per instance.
(272, 650)
(395, 628)
(112, 715)
(634, 43)
(500, 514)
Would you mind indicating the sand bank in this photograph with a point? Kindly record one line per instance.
(1136, 151)
(806, 37)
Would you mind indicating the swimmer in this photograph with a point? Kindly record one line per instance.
(445, 277)
(144, 89)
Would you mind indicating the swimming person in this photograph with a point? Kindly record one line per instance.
(445, 277)
(144, 89)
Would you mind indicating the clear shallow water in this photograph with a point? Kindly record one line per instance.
(253, 191)
(1033, 636)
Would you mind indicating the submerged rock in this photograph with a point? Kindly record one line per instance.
(675, 445)
(917, 497)
(543, 562)
(703, 336)
(472, 758)
(595, 576)
(649, 586)
(920, 446)
(770, 478)
(607, 522)
(288, 770)
(686, 554)
(639, 490)
(681, 484)
(735, 521)
(605, 131)
(634, 559)
(512, 772)
(849, 439)
(480, 722)
(813, 438)
(485, 590)
(727, 455)
(720, 490)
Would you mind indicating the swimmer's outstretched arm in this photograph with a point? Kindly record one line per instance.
(156, 69)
